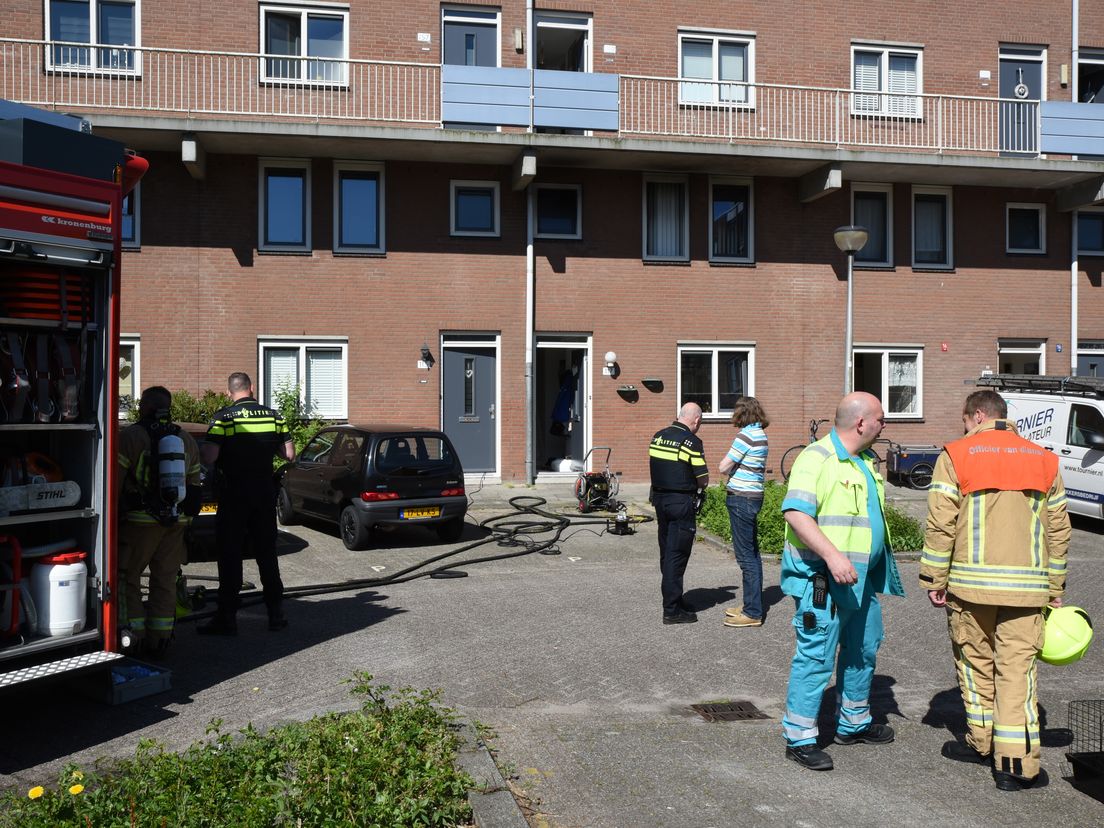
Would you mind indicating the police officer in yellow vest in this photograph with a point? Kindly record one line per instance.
(836, 559)
(147, 539)
(994, 556)
(242, 440)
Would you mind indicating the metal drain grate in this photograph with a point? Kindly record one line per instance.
(739, 711)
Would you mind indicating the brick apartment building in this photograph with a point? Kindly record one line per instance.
(381, 203)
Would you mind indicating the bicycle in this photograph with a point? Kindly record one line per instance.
(792, 452)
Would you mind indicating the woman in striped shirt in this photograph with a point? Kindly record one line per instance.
(745, 465)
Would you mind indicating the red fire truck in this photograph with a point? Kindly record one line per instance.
(61, 203)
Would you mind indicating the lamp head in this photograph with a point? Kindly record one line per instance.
(427, 357)
(851, 238)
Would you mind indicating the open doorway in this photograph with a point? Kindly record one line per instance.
(561, 397)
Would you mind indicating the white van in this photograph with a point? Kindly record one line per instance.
(1064, 415)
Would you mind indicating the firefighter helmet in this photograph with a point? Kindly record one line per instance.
(1067, 635)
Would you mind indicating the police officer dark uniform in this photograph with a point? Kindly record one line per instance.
(242, 440)
(677, 463)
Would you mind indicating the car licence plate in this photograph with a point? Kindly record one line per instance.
(417, 514)
(208, 508)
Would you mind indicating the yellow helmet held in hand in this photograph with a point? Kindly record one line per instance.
(1067, 634)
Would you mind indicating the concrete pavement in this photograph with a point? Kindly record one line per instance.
(563, 657)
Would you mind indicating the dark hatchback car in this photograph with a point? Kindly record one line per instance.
(363, 477)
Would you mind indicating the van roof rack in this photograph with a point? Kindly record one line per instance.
(1045, 384)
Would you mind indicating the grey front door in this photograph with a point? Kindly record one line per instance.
(468, 405)
(1020, 80)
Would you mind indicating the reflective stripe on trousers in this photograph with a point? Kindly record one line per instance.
(858, 635)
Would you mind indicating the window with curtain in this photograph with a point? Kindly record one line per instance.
(892, 79)
(931, 228)
(305, 44)
(665, 219)
(730, 223)
(714, 376)
(894, 376)
(315, 371)
(129, 380)
(285, 205)
(872, 208)
(358, 207)
(1026, 228)
(99, 23)
(713, 59)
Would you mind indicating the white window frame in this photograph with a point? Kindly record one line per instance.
(886, 352)
(263, 165)
(685, 241)
(132, 341)
(739, 182)
(948, 227)
(1088, 348)
(135, 196)
(574, 21)
(887, 189)
(94, 46)
(1084, 251)
(714, 348)
(459, 14)
(456, 184)
(746, 39)
(885, 108)
(578, 234)
(306, 9)
(359, 166)
(1025, 346)
(1040, 212)
(321, 343)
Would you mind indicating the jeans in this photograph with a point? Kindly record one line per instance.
(742, 514)
(677, 526)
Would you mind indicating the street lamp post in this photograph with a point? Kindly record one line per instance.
(850, 239)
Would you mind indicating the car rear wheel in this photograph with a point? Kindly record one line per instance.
(284, 513)
(354, 534)
(451, 530)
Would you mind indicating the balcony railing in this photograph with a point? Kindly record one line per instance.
(73, 76)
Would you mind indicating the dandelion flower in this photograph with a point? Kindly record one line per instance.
(36, 792)
(78, 775)
(75, 789)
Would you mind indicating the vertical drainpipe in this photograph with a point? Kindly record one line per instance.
(530, 272)
(1075, 83)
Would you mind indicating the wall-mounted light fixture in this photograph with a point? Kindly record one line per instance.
(612, 369)
(427, 359)
(653, 384)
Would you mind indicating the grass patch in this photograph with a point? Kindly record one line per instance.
(388, 764)
(908, 535)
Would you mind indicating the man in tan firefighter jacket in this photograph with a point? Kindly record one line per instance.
(994, 556)
(151, 532)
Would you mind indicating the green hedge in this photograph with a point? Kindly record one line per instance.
(908, 535)
(391, 763)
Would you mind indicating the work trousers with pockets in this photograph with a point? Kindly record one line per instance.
(858, 633)
(677, 525)
(161, 548)
(246, 526)
(995, 649)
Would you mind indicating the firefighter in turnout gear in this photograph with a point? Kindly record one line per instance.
(158, 489)
(994, 557)
(242, 440)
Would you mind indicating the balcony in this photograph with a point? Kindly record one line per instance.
(250, 86)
